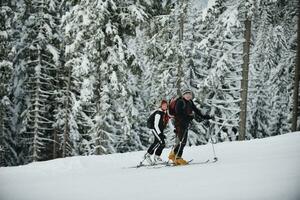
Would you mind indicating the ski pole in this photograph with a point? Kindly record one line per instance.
(212, 143)
(222, 125)
(215, 157)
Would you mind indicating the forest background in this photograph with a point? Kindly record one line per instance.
(82, 77)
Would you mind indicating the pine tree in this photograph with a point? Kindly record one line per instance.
(76, 87)
(8, 154)
(296, 79)
(159, 61)
(37, 58)
(215, 69)
(270, 85)
(96, 32)
(123, 71)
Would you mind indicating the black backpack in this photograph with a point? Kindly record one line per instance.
(150, 120)
(172, 104)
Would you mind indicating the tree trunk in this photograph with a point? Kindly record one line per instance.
(297, 74)
(98, 129)
(244, 82)
(36, 125)
(56, 130)
(67, 105)
(55, 139)
(180, 55)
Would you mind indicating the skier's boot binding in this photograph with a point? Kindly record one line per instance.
(157, 159)
(172, 156)
(147, 157)
(180, 161)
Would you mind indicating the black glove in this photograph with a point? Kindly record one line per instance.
(206, 123)
(191, 117)
(198, 118)
(208, 117)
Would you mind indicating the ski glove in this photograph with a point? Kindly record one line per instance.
(206, 123)
(191, 117)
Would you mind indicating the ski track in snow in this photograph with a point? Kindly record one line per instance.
(265, 169)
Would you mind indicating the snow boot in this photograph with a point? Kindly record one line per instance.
(147, 157)
(172, 156)
(157, 159)
(180, 161)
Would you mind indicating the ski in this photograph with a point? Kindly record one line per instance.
(149, 165)
(197, 163)
(190, 162)
(168, 164)
(152, 165)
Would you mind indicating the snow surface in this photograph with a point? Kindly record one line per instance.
(265, 169)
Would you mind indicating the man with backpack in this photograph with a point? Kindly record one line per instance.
(183, 109)
(157, 122)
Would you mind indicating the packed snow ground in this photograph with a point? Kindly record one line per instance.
(267, 169)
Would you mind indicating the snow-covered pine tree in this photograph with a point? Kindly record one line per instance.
(36, 60)
(136, 45)
(17, 92)
(274, 40)
(122, 73)
(199, 63)
(281, 80)
(100, 64)
(8, 154)
(259, 108)
(215, 62)
(73, 116)
(296, 93)
(158, 58)
(162, 51)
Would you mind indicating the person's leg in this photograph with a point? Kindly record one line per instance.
(181, 135)
(182, 144)
(161, 145)
(155, 144)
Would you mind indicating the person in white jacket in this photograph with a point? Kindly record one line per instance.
(158, 122)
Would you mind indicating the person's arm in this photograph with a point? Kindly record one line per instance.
(156, 123)
(156, 127)
(198, 112)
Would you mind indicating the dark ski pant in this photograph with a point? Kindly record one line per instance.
(158, 144)
(181, 130)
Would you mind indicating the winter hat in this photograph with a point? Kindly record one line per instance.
(187, 91)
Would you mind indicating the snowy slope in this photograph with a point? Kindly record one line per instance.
(267, 169)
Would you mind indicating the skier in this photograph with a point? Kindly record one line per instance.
(184, 114)
(157, 122)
